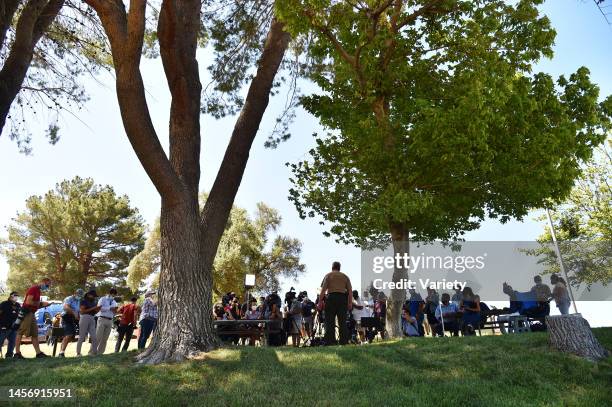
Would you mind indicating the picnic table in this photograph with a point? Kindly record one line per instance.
(247, 328)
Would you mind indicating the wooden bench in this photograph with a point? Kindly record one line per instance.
(260, 329)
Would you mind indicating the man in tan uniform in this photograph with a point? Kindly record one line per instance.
(339, 301)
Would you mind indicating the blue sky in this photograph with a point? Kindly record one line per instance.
(95, 145)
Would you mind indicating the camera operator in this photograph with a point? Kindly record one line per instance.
(339, 301)
(8, 314)
(27, 321)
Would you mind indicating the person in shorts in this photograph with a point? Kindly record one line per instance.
(28, 326)
(70, 318)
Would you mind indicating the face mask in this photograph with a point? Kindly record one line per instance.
(44, 287)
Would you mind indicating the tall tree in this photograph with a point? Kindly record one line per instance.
(45, 46)
(189, 237)
(437, 121)
(583, 225)
(77, 234)
(247, 246)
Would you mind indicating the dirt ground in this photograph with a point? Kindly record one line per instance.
(27, 350)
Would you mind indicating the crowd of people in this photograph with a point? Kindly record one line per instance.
(83, 313)
(337, 315)
(340, 315)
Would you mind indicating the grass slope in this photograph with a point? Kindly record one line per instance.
(476, 371)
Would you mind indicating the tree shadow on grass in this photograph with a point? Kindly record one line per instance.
(475, 371)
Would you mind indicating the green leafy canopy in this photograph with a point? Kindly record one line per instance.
(436, 119)
(78, 234)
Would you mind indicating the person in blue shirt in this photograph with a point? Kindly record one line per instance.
(409, 324)
(470, 305)
(446, 314)
(415, 306)
(70, 318)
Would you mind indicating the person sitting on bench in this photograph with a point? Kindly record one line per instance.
(446, 314)
(409, 324)
(470, 305)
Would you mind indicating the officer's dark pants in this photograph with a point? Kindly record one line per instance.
(336, 307)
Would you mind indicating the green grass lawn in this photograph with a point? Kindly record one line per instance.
(473, 371)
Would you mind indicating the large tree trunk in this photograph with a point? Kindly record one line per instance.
(400, 238)
(572, 334)
(189, 240)
(185, 325)
(185, 284)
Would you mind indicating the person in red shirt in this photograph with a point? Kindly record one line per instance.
(28, 327)
(127, 324)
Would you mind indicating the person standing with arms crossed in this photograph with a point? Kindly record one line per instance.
(339, 301)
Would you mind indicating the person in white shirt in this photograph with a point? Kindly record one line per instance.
(108, 308)
(358, 311)
(447, 311)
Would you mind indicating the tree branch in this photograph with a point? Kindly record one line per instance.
(35, 19)
(219, 202)
(125, 33)
(177, 32)
(7, 11)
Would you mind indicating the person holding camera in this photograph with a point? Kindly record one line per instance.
(9, 310)
(26, 322)
(70, 318)
(337, 286)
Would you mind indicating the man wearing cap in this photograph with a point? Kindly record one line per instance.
(87, 322)
(148, 319)
(70, 318)
(108, 308)
(8, 314)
